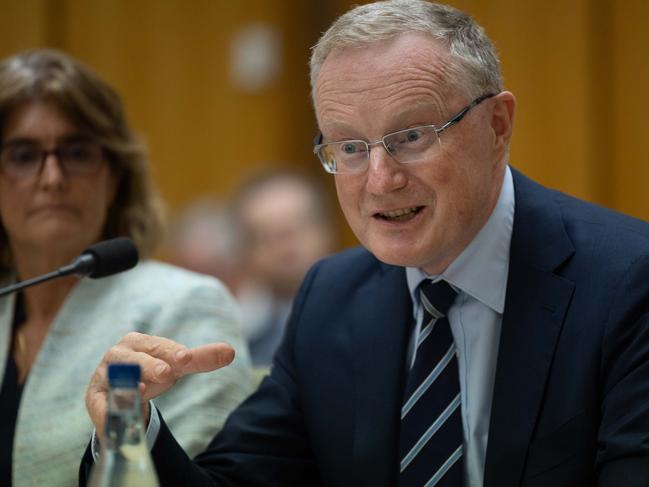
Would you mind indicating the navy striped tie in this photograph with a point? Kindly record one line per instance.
(431, 415)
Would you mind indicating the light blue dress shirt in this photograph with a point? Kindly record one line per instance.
(479, 274)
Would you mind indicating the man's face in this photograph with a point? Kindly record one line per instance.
(422, 214)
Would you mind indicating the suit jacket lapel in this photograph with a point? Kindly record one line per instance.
(381, 326)
(536, 302)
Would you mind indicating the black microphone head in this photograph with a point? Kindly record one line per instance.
(112, 256)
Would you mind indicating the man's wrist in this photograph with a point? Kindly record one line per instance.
(152, 430)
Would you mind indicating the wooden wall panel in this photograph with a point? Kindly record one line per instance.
(628, 128)
(23, 25)
(543, 62)
(171, 60)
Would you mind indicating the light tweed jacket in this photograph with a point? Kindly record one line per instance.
(53, 429)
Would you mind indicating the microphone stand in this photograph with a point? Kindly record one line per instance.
(82, 266)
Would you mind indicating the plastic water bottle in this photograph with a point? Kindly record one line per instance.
(124, 459)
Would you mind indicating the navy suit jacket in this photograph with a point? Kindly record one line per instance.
(571, 395)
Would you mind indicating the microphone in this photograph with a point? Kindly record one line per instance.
(100, 260)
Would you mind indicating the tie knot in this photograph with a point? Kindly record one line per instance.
(440, 295)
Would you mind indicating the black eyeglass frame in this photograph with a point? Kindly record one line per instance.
(61, 159)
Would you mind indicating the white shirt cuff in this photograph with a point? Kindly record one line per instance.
(152, 432)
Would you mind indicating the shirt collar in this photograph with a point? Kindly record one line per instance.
(482, 267)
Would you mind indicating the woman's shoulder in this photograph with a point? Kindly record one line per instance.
(155, 270)
(155, 280)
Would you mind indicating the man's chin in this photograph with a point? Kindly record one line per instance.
(407, 257)
(399, 257)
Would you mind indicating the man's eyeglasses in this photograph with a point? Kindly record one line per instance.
(405, 146)
(24, 159)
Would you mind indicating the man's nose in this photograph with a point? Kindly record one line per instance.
(384, 173)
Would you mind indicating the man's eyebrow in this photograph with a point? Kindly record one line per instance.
(337, 130)
(428, 108)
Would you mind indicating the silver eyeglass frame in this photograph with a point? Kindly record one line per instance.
(318, 145)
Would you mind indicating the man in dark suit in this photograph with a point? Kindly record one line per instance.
(490, 332)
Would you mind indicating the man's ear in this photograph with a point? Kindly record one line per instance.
(502, 119)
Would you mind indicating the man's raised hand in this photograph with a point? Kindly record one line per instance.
(163, 363)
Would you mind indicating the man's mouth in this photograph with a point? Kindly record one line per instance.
(400, 214)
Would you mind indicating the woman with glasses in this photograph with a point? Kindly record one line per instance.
(71, 174)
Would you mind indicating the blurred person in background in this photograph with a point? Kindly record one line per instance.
(285, 225)
(203, 239)
(72, 173)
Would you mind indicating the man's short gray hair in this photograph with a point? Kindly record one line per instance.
(476, 62)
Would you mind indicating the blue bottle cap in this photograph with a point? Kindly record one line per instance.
(123, 375)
